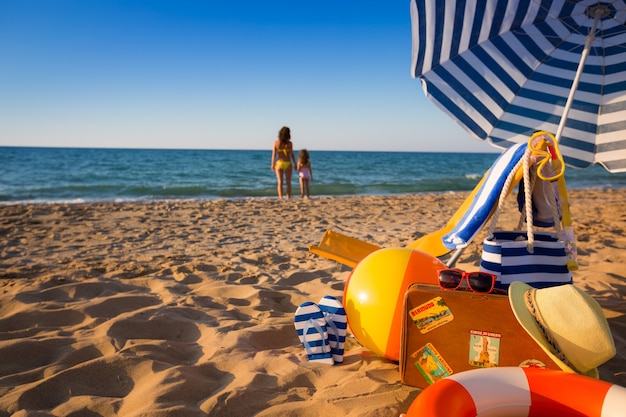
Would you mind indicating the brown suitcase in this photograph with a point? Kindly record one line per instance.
(446, 332)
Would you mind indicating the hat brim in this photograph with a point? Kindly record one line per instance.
(517, 292)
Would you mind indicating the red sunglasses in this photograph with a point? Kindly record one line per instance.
(451, 279)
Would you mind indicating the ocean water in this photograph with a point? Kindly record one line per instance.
(44, 175)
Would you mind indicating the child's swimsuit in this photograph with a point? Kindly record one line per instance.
(305, 173)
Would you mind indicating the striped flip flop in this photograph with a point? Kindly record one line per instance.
(311, 328)
(336, 324)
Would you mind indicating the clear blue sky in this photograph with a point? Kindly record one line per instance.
(215, 74)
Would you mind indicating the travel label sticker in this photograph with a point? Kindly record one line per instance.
(431, 364)
(430, 315)
(484, 348)
(532, 363)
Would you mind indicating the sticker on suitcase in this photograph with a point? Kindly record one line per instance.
(431, 364)
(533, 363)
(431, 314)
(484, 348)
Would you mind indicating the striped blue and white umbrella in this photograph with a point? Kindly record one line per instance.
(506, 68)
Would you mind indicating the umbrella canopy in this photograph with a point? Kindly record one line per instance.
(504, 69)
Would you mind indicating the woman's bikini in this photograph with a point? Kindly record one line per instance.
(283, 165)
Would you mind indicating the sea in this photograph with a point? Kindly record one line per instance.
(83, 175)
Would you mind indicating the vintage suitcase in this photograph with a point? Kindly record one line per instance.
(446, 332)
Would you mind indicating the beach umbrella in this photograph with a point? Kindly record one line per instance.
(504, 69)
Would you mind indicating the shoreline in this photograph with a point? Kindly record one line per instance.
(186, 307)
(295, 196)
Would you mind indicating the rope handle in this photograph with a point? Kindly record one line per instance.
(536, 153)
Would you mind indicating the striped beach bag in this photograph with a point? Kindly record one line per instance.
(507, 255)
(538, 258)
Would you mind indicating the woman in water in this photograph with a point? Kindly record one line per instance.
(282, 160)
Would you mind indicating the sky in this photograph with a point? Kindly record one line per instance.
(216, 74)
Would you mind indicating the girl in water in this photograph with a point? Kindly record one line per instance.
(305, 171)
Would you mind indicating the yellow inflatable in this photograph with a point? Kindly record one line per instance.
(374, 295)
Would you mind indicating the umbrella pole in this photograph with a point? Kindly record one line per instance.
(568, 230)
(600, 12)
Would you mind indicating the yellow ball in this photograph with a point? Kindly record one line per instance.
(374, 295)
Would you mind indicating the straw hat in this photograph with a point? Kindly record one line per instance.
(567, 323)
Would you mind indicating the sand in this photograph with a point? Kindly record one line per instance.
(186, 308)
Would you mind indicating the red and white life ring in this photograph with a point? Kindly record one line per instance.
(517, 392)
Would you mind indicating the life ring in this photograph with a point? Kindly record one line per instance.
(516, 392)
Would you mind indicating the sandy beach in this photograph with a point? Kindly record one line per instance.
(186, 308)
